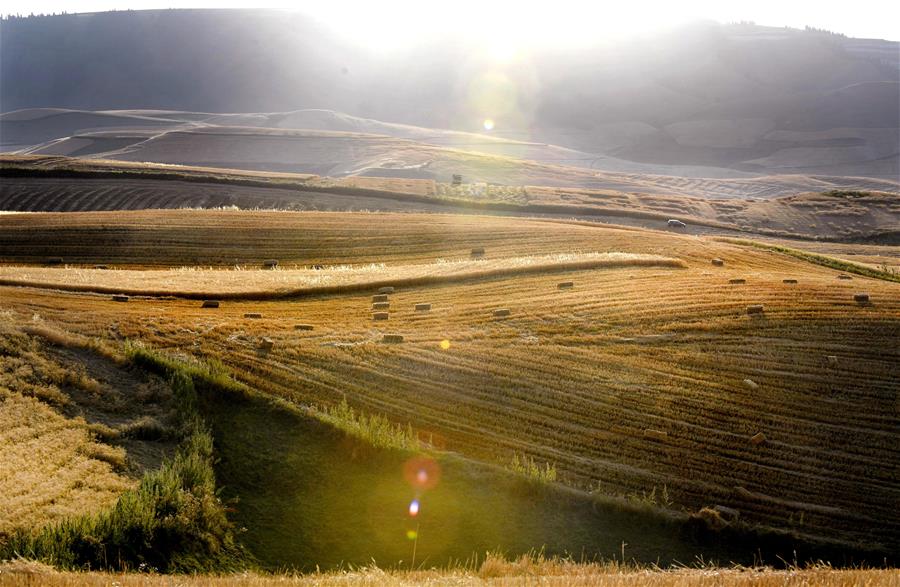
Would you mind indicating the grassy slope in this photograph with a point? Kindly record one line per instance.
(54, 465)
(604, 375)
(311, 496)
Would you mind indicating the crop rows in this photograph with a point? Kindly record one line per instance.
(577, 377)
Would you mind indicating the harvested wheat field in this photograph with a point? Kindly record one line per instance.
(494, 570)
(68, 418)
(572, 378)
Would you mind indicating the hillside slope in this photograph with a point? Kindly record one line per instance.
(738, 98)
(644, 381)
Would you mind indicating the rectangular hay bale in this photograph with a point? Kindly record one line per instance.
(737, 280)
(381, 305)
(655, 434)
(386, 290)
(392, 338)
(565, 284)
(252, 315)
(755, 309)
(718, 262)
(120, 298)
(501, 312)
(303, 326)
(423, 307)
(380, 298)
(861, 298)
(380, 316)
(210, 304)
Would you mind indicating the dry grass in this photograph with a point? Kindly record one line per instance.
(495, 570)
(259, 284)
(52, 466)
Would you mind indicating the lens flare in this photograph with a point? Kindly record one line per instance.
(445, 344)
(422, 472)
(414, 508)
(412, 534)
(488, 124)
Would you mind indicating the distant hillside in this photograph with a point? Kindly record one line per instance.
(735, 97)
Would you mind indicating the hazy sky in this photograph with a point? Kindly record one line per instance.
(399, 22)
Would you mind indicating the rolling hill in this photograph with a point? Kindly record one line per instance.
(727, 422)
(702, 100)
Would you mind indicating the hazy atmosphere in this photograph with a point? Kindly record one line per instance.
(485, 293)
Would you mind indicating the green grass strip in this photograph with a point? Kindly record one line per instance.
(817, 259)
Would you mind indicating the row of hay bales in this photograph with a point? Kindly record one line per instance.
(757, 309)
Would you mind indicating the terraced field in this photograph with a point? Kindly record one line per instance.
(647, 381)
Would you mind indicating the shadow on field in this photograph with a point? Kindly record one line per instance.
(309, 495)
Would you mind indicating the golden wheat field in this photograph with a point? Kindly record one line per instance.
(658, 382)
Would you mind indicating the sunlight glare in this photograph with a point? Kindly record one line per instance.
(488, 124)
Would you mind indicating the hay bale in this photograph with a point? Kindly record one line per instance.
(727, 513)
(718, 262)
(710, 518)
(303, 326)
(861, 298)
(54, 261)
(266, 344)
(737, 281)
(270, 263)
(210, 304)
(655, 434)
(844, 276)
(743, 492)
(386, 290)
(757, 439)
(755, 309)
(252, 315)
(790, 281)
(392, 338)
(832, 360)
(380, 298)
(101, 267)
(751, 384)
(565, 284)
(423, 307)
(381, 305)
(501, 312)
(379, 316)
(478, 252)
(120, 298)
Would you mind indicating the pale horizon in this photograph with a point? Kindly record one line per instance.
(511, 26)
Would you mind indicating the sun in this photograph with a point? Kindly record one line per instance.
(488, 124)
